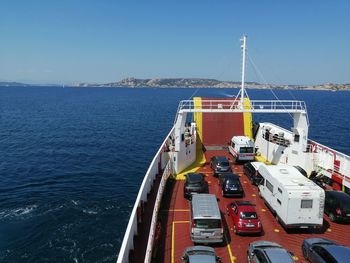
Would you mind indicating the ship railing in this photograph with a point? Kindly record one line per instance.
(340, 162)
(150, 244)
(258, 106)
(146, 187)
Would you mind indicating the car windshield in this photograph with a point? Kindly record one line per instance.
(208, 223)
(248, 215)
(232, 182)
(246, 150)
(224, 164)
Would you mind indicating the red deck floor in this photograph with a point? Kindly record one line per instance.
(176, 226)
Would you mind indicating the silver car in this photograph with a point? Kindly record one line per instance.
(266, 251)
(200, 254)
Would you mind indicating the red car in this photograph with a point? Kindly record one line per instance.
(244, 217)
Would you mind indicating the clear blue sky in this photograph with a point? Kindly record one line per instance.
(67, 41)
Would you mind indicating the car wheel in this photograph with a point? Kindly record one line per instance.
(303, 248)
(332, 217)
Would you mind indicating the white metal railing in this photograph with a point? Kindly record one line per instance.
(233, 105)
(314, 147)
(167, 172)
(287, 105)
(146, 186)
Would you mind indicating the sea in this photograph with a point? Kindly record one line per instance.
(72, 160)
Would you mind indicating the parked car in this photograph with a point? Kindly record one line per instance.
(195, 183)
(230, 185)
(322, 250)
(251, 171)
(244, 217)
(220, 164)
(337, 206)
(266, 251)
(200, 254)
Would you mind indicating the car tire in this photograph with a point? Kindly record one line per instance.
(303, 248)
(332, 217)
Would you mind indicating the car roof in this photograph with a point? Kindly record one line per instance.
(221, 158)
(318, 240)
(230, 176)
(194, 177)
(245, 206)
(340, 253)
(340, 195)
(278, 255)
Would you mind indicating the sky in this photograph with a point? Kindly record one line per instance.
(68, 41)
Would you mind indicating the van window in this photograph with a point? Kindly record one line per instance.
(306, 203)
(246, 150)
(269, 186)
(207, 223)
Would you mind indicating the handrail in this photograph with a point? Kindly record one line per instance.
(131, 229)
(232, 105)
(165, 176)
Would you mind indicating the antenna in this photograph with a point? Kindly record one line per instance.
(244, 47)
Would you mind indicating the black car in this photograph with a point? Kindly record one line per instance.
(322, 250)
(251, 171)
(337, 206)
(230, 185)
(220, 164)
(195, 183)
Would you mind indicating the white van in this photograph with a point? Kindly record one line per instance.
(206, 225)
(242, 148)
(297, 201)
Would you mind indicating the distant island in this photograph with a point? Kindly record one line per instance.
(205, 83)
(190, 83)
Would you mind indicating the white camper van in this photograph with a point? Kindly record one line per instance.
(242, 148)
(297, 201)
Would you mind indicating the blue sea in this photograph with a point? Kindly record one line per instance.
(72, 161)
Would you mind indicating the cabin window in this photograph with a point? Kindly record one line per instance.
(279, 190)
(246, 150)
(269, 186)
(306, 203)
(296, 137)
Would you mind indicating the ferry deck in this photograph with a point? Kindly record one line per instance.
(175, 235)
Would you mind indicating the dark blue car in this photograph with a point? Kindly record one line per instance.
(322, 250)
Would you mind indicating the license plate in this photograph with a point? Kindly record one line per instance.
(348, 215)
(207, 233)
(250, 225)
(304, 227)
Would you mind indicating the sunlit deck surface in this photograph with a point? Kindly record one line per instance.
(175, 235)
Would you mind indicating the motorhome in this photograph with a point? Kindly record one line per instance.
(242, 148)
(297, 201)
(206, 225)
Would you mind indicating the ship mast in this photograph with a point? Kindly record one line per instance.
(243, 69)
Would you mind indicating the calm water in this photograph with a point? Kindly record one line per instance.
(72, 160)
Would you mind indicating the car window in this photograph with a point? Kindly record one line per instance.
(248, 215)
(324, 254)
(259, 257)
